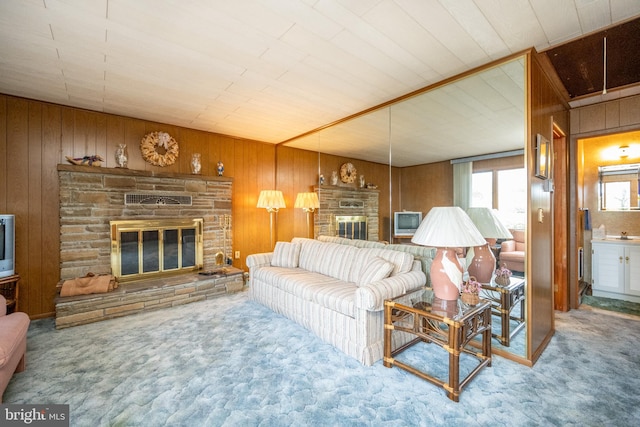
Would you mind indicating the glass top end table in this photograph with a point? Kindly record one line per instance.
(452, 325)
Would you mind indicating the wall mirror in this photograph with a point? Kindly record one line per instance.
(397, 145)
(618, 187)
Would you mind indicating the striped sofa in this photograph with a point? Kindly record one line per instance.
(336, 291)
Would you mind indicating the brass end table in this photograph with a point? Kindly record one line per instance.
(451, 325)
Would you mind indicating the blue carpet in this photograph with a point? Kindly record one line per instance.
(232, 362)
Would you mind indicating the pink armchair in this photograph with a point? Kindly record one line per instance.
(13, 344)
(512, 252)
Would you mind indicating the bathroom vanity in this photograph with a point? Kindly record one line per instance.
(616, 268)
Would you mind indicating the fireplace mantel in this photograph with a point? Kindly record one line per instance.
(134, 172)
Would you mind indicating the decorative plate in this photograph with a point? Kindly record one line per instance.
(348, 173)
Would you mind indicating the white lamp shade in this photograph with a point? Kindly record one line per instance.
(307, 201)
(488, 223)
(448, 227)
(271, 199)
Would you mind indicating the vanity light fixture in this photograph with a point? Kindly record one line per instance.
(623, 151)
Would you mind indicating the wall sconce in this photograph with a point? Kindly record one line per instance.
(309, 203)
(272, 201)
(623, 151)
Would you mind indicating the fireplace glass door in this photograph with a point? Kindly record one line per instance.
(142, 248)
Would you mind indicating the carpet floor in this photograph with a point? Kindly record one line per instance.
(230, 361)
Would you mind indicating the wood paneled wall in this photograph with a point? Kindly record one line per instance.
(426, 186)
(546, 107)
(35, 136)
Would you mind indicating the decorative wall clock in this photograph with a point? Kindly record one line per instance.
(348, 173)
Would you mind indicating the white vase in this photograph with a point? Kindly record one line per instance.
(121, 156)
(196, 165)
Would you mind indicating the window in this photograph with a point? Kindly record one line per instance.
(482, 190)
(504, 190)
(512, 198)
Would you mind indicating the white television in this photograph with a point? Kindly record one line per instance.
(406, 223)
(7, 245)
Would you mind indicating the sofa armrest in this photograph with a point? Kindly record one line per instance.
(371, 297)
(259, 260)
(508, 246)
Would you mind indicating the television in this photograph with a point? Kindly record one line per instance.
(406, 223)
(7, 245)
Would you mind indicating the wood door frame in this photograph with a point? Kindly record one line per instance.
(561, 258)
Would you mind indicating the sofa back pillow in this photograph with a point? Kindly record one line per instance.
(286, 255)
(375, 269)
(402, 262)
(330, 259)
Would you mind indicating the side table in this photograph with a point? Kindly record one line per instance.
(448, 324)
(9, 290)
(503, 300)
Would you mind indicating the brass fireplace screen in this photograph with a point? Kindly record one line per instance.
(351, 226)
(141, 248)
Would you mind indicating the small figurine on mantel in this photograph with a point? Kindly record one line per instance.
(220, 168)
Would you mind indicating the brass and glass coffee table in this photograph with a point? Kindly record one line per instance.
(503, 300)
(451, 325)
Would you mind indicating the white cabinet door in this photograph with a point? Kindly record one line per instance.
(608, 268)
(632, 269)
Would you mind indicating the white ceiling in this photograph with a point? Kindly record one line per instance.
(267, 69)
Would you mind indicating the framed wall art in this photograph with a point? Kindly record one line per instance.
(542, 157)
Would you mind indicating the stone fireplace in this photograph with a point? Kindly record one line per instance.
(172, 226)
(92, 197)
(347, 212)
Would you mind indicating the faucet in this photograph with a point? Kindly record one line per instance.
(623, 235)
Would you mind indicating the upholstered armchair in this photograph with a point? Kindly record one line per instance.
(13, 344)
(512, 252)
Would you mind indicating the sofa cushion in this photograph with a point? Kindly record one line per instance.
(323, 290)
(286, 255)
(375, 269)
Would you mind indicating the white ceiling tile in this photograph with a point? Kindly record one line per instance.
(272, 69)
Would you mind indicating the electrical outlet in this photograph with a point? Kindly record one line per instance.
(237, 254)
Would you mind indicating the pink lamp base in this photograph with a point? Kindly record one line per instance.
(446, 274)
(483, 264)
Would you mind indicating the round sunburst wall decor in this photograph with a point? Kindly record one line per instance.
(159, 149)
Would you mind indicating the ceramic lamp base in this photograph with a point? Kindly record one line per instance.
(446, 274)
(483, 264)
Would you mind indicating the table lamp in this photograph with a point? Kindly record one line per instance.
(482, 261)
(272, 201)
(309, 203)
(447, 228)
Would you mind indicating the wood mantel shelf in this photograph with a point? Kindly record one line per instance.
(134, 172)
(330, 187)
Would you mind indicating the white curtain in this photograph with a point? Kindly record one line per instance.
(462, 184)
